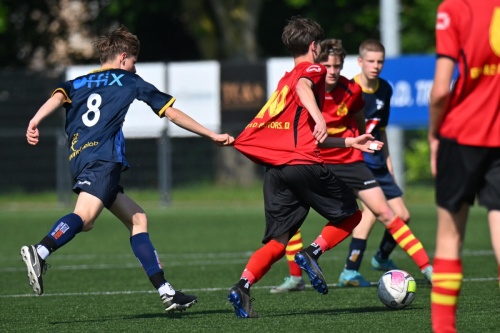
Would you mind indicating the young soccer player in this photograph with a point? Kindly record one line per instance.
(464, 140)
(377, 96)
(96, 105)
(284, 137)
(343, 112)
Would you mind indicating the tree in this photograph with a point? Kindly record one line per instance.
(47, 34)
(231, 29)
(43, 34)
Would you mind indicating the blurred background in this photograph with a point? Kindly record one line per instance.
(240, 40)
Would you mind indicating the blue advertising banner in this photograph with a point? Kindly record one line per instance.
(411, 78)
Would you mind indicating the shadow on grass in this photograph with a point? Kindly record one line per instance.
(166, 316)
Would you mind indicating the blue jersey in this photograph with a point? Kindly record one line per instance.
(377, 110)
(96, 105)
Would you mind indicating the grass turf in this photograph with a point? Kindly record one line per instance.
(204, 238)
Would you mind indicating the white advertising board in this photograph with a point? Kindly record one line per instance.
(196, 87)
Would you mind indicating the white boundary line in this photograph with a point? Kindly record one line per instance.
(190, 259)
(131, 292)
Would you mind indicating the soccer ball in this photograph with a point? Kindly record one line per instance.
(396, 289)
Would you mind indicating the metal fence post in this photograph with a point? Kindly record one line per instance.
(396, 138)
(165, 168)
(63, 179)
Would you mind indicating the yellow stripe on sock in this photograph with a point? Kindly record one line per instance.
(450, 285)
(406, 240)
(294, 247)
(295, 237)
(290, 257)
(446, 276)
(417, 247)
(401, 231)
(443, 299)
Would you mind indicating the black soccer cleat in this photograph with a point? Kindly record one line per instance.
(241, 302)
(178, 302)
(36, 267)
(311, 267)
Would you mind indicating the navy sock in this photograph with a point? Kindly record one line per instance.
(387, 245)
(356, 250)
(62, 232)
(146, 254)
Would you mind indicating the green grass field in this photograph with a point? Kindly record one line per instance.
(204, 239)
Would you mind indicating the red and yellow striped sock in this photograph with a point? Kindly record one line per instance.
(406, 239)
(261, 261)
(294, 245)
(446, 285)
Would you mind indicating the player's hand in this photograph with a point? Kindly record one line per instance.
(320, 133)
(32, 133)
(365, 143)
(223, 139)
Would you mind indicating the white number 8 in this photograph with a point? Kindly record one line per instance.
(93, 103)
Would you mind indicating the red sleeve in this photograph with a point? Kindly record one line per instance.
(314, 72)
(451, 20)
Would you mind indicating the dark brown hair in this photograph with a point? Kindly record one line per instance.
(299, 33)
(332, 47)
(116, 42)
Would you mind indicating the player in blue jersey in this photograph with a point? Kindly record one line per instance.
(96, 105)
(377, 94)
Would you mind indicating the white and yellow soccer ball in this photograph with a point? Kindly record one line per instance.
(396, 289)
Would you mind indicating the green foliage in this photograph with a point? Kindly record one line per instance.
(4, 23)
(417, 158)
(297, 3)
(192, 30)
(418, 18)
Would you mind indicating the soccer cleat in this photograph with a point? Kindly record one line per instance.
(383, 265)
(241, 302)
(311, 267)
(352, 278)
(178, 302)
(291, 283)
(36, 267)
(428, 273)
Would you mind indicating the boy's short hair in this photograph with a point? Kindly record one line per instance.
(370, 45)
(299, 33)
(332, 47)
(115, 42)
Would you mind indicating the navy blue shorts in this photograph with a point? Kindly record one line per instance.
(356, 175)
(291, 190)
(467, 172)
(100, 178)
(387, 183)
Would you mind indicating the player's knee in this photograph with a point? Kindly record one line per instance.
(88, 225)
(405, 217)
(386, 215)
(140, 220)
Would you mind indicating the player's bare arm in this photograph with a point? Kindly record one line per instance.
(439, 97)
(306, 96)
(364, 142)
(51, 105)
(183, 120)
